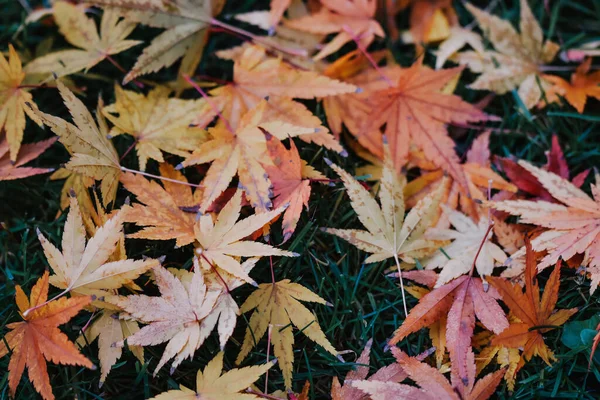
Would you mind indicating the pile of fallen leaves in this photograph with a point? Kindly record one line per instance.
(467, 236)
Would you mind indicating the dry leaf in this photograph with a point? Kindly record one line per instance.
(15, 101)
(161, 213)
(432, 383)
(92, 153)
(156, 122)
(582, 85)
(177, 316)
(212, 384)
(349, 19)
(531, 311)
(515, 62)
(81, 31)
(573, 228)
(278, 305)
(27, 153)
(85, 269)
(469, 240)
(37, 339)
(456, 40)
(220, 242)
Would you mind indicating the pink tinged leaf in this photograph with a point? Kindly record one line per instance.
(459, 330)
(488, 311)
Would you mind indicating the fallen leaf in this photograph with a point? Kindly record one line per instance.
(15, 101)
(573, 228)
(278, 305)
(177, 316)
(515, 63)
(433, 385)
(27, 152)
(220, 243)
(160, 213)
(37, 339)
(470, 241)
(536, 316)
(92, 153)
(156, 122)
(582, 85)
(390, 373)
(348, 19)
(212, 384)
(81, 32)
(415, 111)
(457, 39)
(84, 269)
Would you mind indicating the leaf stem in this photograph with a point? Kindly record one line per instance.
(162, 178)
(362, 49)
(123, 70)
(487, 232)
(135, 142)
(401, 284)
(216, 272)
(210, 102)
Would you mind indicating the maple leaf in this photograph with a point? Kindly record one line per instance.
(505, 357)
(573, 228)
(186, 24)
(517, 58)
(415, 111)
(457, 39)
(92, 153)
(479, 176)
(462, 300)
(13, 100)
(161, 213)
(389, 233)
(390, 373)
(177, 316)
(27, 152)
(537, 316)
(243, 152)
(220, 244)
(349, 19)
(37, 339)
(81, 268)
(276, 10)
(257, 76)
(108, 329)
(212, 384)
(156, 122)
(278, 305)
(469, 240)
(225, 310)
(582, 85)
(528, 183)
(290, 183)
(81, 32)
(432, 383)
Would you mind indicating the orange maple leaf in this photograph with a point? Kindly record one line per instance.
(415, 110)
(27, 152)
(350, 19)
(257, 76)
(576, 92)
(38, 338)
(536, 316)
(461, 300)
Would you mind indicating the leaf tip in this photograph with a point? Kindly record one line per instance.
(179, 167)
(327, 161)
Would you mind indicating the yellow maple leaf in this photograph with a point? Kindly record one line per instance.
(220, 243)
(278, 305)
(576, 92)
(81, 32)
(515, 62)
(186, 24)
(157, 122)
(92, 153)
(82, 268)
(212, 384)
(13, 101)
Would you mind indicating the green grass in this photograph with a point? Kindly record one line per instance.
(366, 304)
